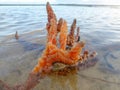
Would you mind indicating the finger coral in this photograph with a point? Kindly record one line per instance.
(59, 24)
(51, 25)
(54, 53)
(71, 37)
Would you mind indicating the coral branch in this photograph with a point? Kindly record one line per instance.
(73, 26)
(77, 37)
(60, 22)
(63, 35)
(52, 24)
(76, 50)
(52, 32)
(50, 13)
(71, 37)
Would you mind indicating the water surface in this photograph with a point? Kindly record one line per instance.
(100, 28)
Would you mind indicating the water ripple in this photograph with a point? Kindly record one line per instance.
(102, 22)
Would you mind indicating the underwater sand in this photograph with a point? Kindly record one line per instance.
(18, 57)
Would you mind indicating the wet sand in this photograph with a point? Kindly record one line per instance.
(18, 57)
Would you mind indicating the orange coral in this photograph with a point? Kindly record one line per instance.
(52, 24)
(52, 52)
(59, 24)
(70, 37)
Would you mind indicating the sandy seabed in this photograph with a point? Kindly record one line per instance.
(18, 57)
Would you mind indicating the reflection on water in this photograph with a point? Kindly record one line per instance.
(99, 28)
(100, 21)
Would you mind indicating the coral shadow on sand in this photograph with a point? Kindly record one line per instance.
(28, 46)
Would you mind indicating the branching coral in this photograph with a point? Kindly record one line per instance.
(52, 52)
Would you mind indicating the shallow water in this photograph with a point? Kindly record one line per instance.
(99, 28)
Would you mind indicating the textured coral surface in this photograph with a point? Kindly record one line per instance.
(54, 53)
